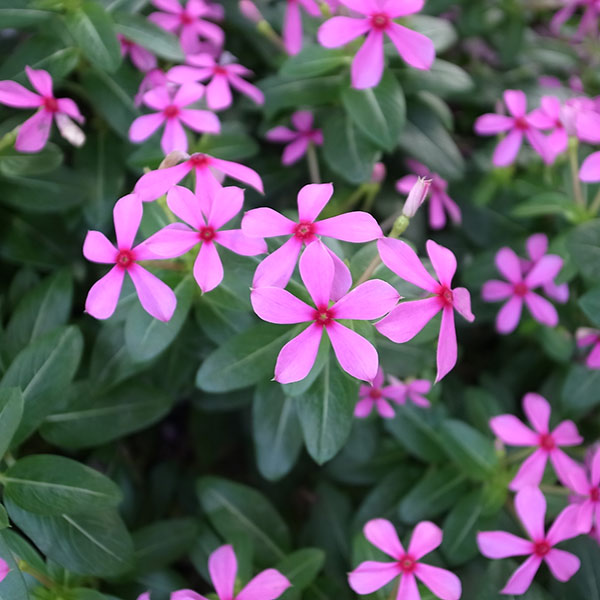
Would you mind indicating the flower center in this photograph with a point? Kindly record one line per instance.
(595, 494)
(323, 316)
(304, 231)
(125, 259)
(207, 234)
(185, 18)
(407, 563)
(521, 289)
(521, 123)
(171, 111)
(541, 548)
(375, 393)
(219, 70)
(446, 295)
(50, 104)
(547, 442)
(380, 21)
(199, 161)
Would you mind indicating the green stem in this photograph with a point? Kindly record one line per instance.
(25, 567)
(394, 593)
(313, 163)
(9, 138)
(574, 164)
(354, 197)
(518, 456)
(555, 489)
(595, 207)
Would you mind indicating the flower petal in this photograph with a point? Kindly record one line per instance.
(342, 278)
(247, 89)
(507, 262)
(443, 583)
(338, 31)
(516, 102)
(370, 576)
(512, 431)
(461, 301)
(222, 566)
(426, 538)
(277, 268)
(316, 270)
(218, 93)
(355, 354)
(565, 526)
(501, 544)
(40, 80)
(408, 589)
(367, 66)
(156, 297)
(172, 241)
(103, 296)
(156, 183)
(268, 585)
(227, 203)
(184, 204)
(277, 305)
(292, 28)
(530, 505)
(298, 356)
(590, 168)
(208, 268)
(491, 124)
(563, 464)
(563, 565)
(127, 216)
(182, 595)
(447, 346)
(495, 290)
(97, 248)
(382, 534)
(281, 134)
(363, 408)
(14, 94)
(236, 241)
(356, 226)
(370, 300)
(566, 434)
(402, 8)
(302, 120)
(312, 198)
(531, 471)
(415, 48)
(537, 409)
(544, 270)
(521, 579)
(143, 127)
(265, 222)
(407, 319)
(294, 151)
(509, 315)
(506, 151)
(239, 172)
(203, 121)
(173, 137)
(33, 133)
(443, 261)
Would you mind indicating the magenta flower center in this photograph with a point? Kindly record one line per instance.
(375, 393)
(171, 111)
(595, 494)
(407, 563)
(323, 316)
(218, 70)
(547, 442)
(521, 289)
(50, 104)
(304, 231)
(185, 18)
(541, 548)
(125, 259)
(380, 21)
(521, 123)
(446, 295)
(207, 234)
(199, 161)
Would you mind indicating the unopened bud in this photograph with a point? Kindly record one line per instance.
(416, 197)
(379, 172)
(173, 158)
(250, 11)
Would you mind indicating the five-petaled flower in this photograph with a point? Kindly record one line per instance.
(172, 113)
(519, 288)
(409, 318)
(367, 67)
(177, 239)
(299, 140)
(370, 575)
(413, 390)
(530, 505)
(156, 297)
(367, 301)
(513, 432)
(377, 395)
(587, 490)
(590, 337)
(34, 132)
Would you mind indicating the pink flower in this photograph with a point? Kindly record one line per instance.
(156, 183)
(156, 297)
(375, 395)
(222, 566)
(250, 11)
(408, 318)
(519, 124)
(513, 432)
(590, 168)
(519, 289)
(172, 113)
(292, 23)
(530, 505)
(355, 354)
(413, 390)
(177, 239)
(549, 116)
(186, 22)
(590, 337)
(34, 132)
(222, 76)
(142, 59)
(367, 67)
(379, 173)
(297, 141)
(152, 79)
(4, 569)
(264, 222)
(587, 489)
(370, 575)
(589, 19)
(439, 201)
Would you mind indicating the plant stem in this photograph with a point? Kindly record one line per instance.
(313, 163)
(574, 164)
(555, 489)
(9, 138)
(25, 567)
(595, 206)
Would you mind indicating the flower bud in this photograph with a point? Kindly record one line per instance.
(416, 197)
(379, 172)
(250, 11)
(173, 158)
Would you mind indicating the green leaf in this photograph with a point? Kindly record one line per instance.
(472, 452)
(581, 391)
(43, 370)
(346, 150)
(22, 17)
(301, 568)
(276, 431)
(237, 511)
(4, 522)
(145, 336)
(13, 586)
(232, 143)
(439, 31)
(140, 30)
(435, 493)
(379, 112)
(13, 163)
(11, 411)
(585, 584)
(93, 30)
(326, 412)
(590, 304)
(243, 360)
(88, 544)
(92, 418)
(584, 245)
(544, 204)
(52, 485)
(444, 79)
(312, 61)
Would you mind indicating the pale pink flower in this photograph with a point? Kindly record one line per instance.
(590, 337)
(377, 395)
(587, 490)
(590, 168)
(156, 297)
(413, 390)
(379, 173)
(581, 118)
(530, 505)
(416, 196)
(440, 203)
(367, 67)
(154, 78)
(292, 23)
(277, 268)
(172, 113)
(516, 126)
(142, 59)
(355, 354)
(186, 22)
(409, 318)
(299, 140)
(222, 76)
(519, 288)
(371, 575)
(209, 172)
(547, 443)
(589, 19)
(177, 239)
(34, 132)
(250, 11)
(222, 566)
(4, 569)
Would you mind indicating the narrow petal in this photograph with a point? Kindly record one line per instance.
(516, 102)
(298, 356)
(40, 80)
(415, 48)
(218, 93)
(174, 137)
(443, 583)
(507, 262)
(461, 301)
(370, 300)
(165, 21)
(451, 208)
(566, 434)
(367, 66)
(593, 359)
(338, 31)
(492, 124)
(563, 565)
(363, 7)
(239, 172)
(277, 268)
(402, 8)
(302, 120)
(363, 408)
(406, 183)
(577, 480)
(312, 198)
(590, 168)
(68, 107)
(127, 216)
(595, 475)
(97, 248)
(143, 127)
(268, 585)
(156, 183)
(292, 28)
(281, 134)
(14, 94)
(184, 204)
(247, 89)
(200, 120)
(447, 346)
(384, 409)
(563, 464)
(494, 290)
(521, 579)
(170, 6)
(227, 203)
(33, 133)
(408, 589)
(187, 74)
(544, 270)
(437, 216)
(188, 93)
(407, 319)
(530, 505)
(565, 526)
(443, 261)
(236, 241)
(294, 151)
(222, 566)
(277, 305)
(370, 576)
(342, 278)
(400, 258)
(172, 241)
(355, 354)
(354, 226)
(143, 59)
(512, 431)
(103, 296)
(506, 151)
(265, 222)
(382, 534)
(316, 270)
(500, 544)
(531, 471)
(509, 315)
(158, 97)
(156, 297)
(208, 268)
(538, 410)
(426, 537)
